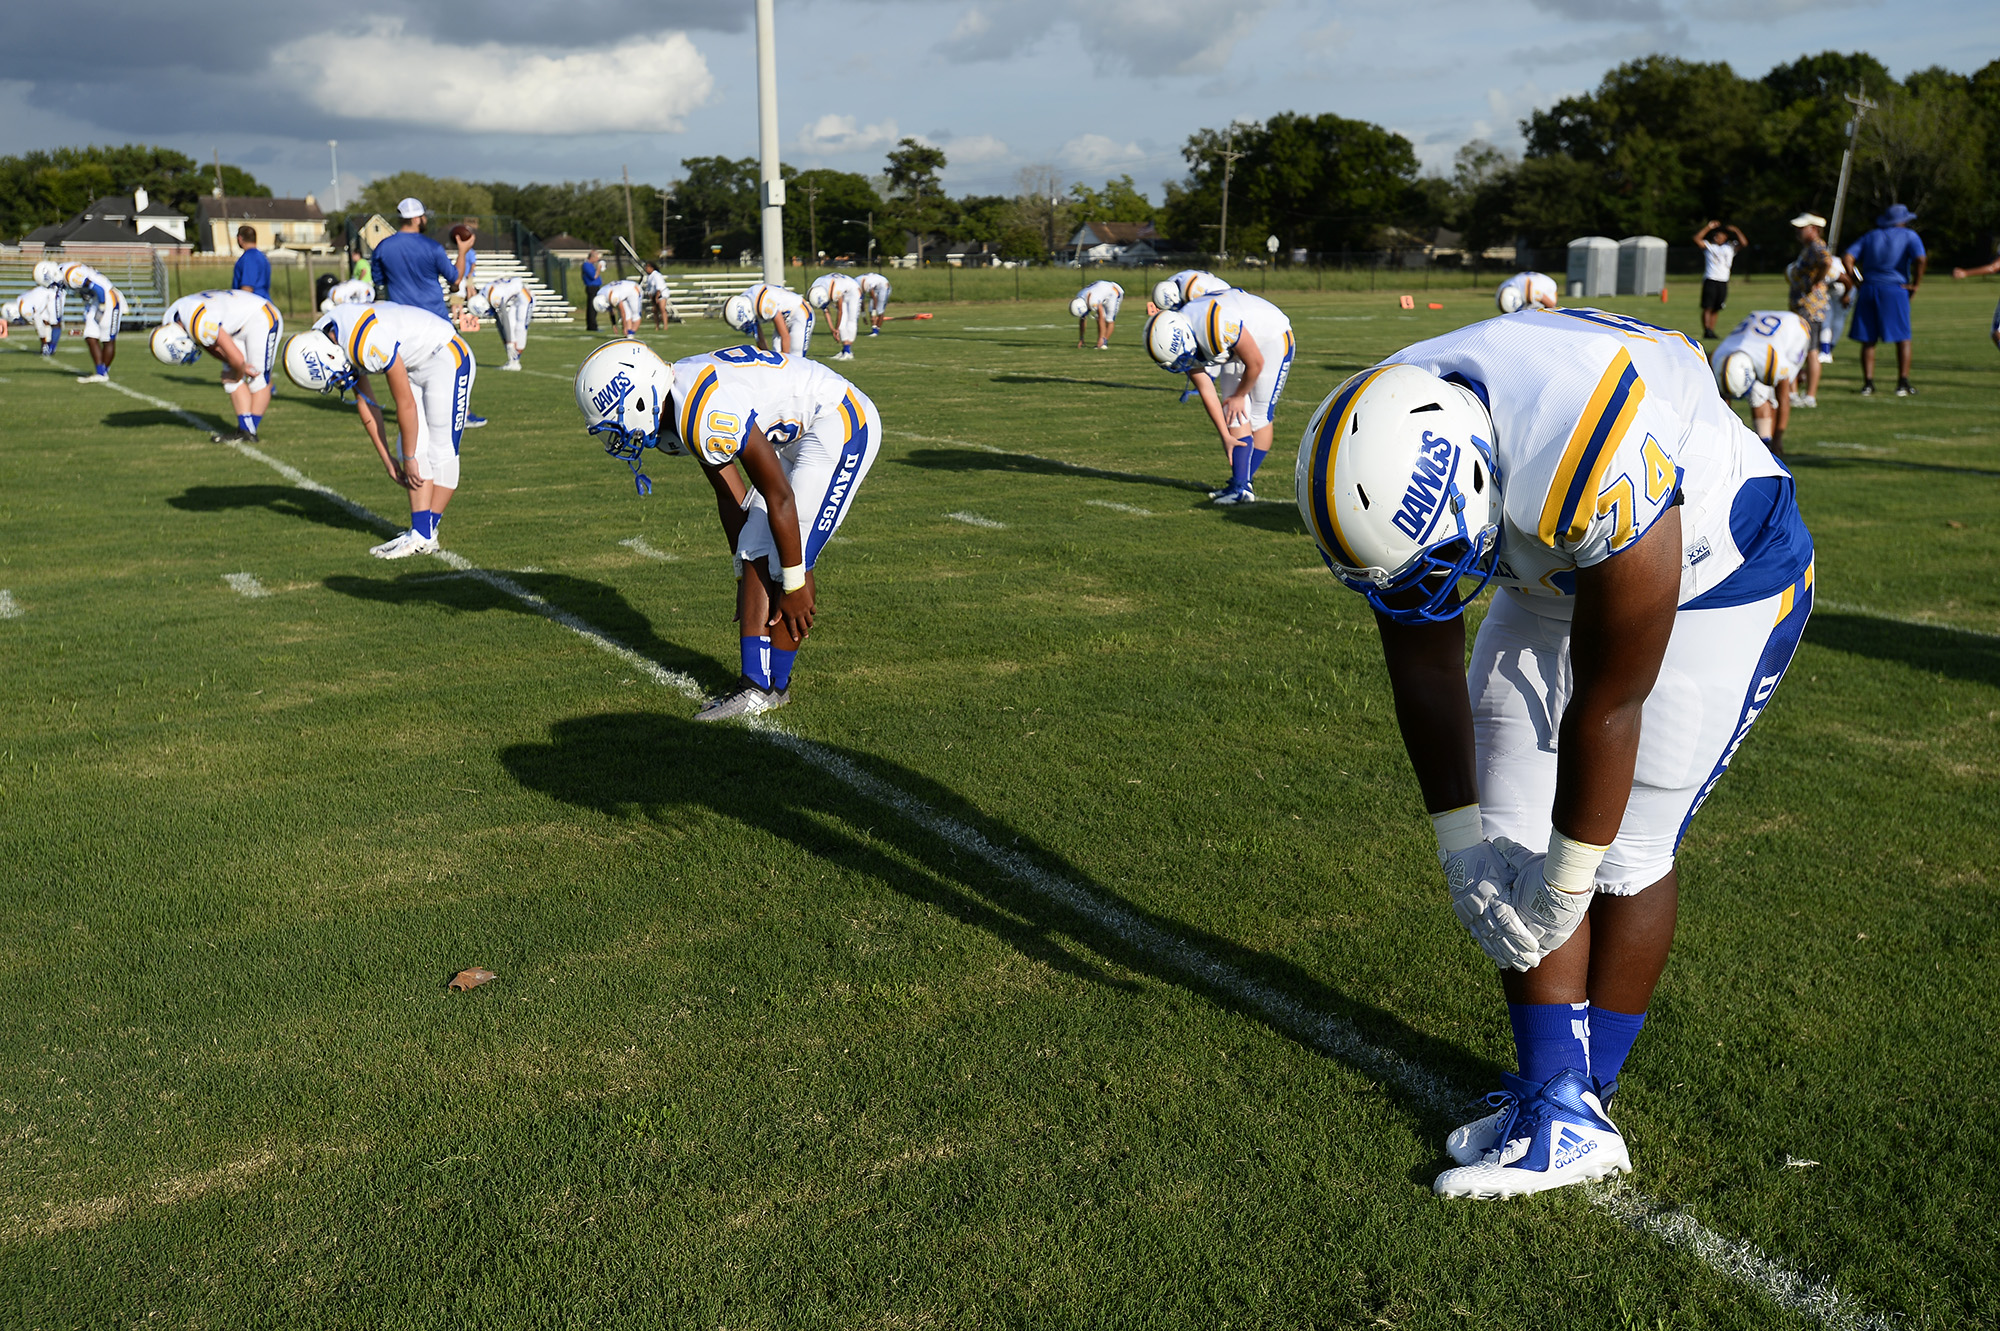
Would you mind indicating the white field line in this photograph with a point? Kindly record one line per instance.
(637, 545)
(974, 520)
(1133, 509)
(9, 607)
(1846, 608)
(246, 584)
(1736, 1259)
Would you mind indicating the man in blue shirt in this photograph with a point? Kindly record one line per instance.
(253, 271)
(592, 280)
(1891, 261)
(409, 265)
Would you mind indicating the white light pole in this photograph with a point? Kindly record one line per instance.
(773, 186)
(333, 146)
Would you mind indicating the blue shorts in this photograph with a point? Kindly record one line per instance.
(1881, 312)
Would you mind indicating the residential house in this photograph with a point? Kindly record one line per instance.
(116, 219)
(281, 224)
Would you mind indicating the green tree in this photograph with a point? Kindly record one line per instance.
(41, 187)
(917, 202)
(447, 199)
(837, 204)
(1119, 201)
(717, 205)
(1321, 182)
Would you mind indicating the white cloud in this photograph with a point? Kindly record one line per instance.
(1095, 152)
(1148, 37)
(972, 149)
(841, 134)
(383, 73)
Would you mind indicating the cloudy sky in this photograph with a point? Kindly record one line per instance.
(539, 90)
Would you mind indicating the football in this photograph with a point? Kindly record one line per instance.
(461, 231)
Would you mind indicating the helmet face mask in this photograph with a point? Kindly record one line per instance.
(171, 344)
(316, 363)
(739, 313)
(1167, 294)
(626, 395)
(1510, 298)
(1171, 342)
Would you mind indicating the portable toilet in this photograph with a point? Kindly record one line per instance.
(1593, 266)
(1642, 265)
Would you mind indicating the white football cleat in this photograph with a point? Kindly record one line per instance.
(1550, 1138)
(405, 544)
(509, 365)
(93, 378)
(748, 700)
(1230, 498)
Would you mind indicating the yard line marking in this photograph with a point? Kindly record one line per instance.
(9, 607)
(1736, 1259)
(1846, 608)
(637, 545)
(1133, 509)
(246, 584)
(1858, 448)
(566, 378)
(974, 520)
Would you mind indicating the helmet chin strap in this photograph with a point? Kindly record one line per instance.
(1446, 602)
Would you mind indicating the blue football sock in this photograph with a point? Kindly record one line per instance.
(243, 423)
(424, 523)
(781, 666)
(1257, 456)
(756, 660)
(1239, 467)
(1549, 1037)
(1611, 1038)
(255, 422)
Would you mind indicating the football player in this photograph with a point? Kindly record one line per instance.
(789, 314)
(429, 371)
(1102, 299)
(355, 291)
(510, 305)
(875, 288)
(1762, 359)
(1993, 266)
(1656, 577)
(1170, 293)
(40, 306)
(658, 296)
(804, 438)
(1236, 350)
(1525, 289)
(238, 328)
(103, 311)
(624, 294)
(842, 302)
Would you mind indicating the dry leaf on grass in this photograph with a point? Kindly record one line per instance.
(471, 979)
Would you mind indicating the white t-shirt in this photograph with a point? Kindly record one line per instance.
(654, 283)
(1718, 256)
(1777, 342)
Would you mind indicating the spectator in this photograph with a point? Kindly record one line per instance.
(592, 280)
(412, 265)
(1889, 263)
(1719, 251)
(253, 271)
(359, 269)
(1991, 266)
(1809, 294)
(1839, 303)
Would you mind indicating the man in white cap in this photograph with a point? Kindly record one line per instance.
(409, 265)
(1810, 299)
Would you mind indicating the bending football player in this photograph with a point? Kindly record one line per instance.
(429, 372)
(875, 288)
(789, 314)
(1101, 299)
(622, 296)
(840, 297)
(103, 312)
(510, 305)
(1524, 290)
(238, 328)
(1762, 359)
(355, 291)
(1236, 350)
(804, 439)
(1170, 293)
(40, 306)
(1655, 580)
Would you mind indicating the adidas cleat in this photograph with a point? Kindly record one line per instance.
(1548, 1138)
(748, 700)
(1230, 498)
(1469, 1143)
(405, 544)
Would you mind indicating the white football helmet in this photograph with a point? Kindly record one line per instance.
(10, 312)
(626, 393)
(171, 344)
(1738, 374)
(601, 301)
(1167, 294)
(48, 273)
(1396, 483)
(1510, 297)
(739, 313)
(1171, 342)
(480, 306)
(1078, 308)
(316, 363)
(820, 294)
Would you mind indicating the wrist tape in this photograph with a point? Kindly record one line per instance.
(1572, 865)
(1458, 829)
(793, 577)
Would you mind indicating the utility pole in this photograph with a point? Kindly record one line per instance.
(630, 229)
(812, 223)
(333, 146)
(1862, 106)
(772, 185)
(1229, 156)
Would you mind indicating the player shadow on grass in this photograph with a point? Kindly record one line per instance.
(1810, 461)
(1024, 464)
(1087, 383)
(285, 500)
(1936, 650)
(143, 418)
(603, 606)
(648, 765)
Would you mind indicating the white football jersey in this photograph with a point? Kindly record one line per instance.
(1777, 341)
(1601, 424)
(1097, 293)
(720, 394)
(506, 289)
(96, 288)
(207, 314)
(622, 292)
(377, 336)
(842, 287)
(1221, 320)
(43, 304)
(1194, 283)
(345, 293)
(1534, 288)
(771, 303)
(872, 283)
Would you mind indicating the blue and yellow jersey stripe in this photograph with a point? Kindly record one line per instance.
(850, 412)
(1792, 595)
(1325, 449)
(358, 337)
(697, 398)
(1572, 497)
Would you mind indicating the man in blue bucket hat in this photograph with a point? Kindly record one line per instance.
(1890, 261)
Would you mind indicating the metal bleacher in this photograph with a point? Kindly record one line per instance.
(496, 265)
(139, 275)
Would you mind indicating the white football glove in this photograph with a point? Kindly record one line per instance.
(1545, 910)
(1479, 878)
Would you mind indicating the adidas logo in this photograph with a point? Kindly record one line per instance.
(1570, 1148)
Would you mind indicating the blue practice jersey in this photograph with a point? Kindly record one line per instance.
(409, 265)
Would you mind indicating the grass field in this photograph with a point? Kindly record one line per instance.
(1074, 955)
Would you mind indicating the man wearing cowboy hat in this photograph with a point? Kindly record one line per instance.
(1889, 263)
(1809, 294)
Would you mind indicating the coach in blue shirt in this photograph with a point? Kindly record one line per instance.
(253, 270)
(1891, 262)
(410, 263)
